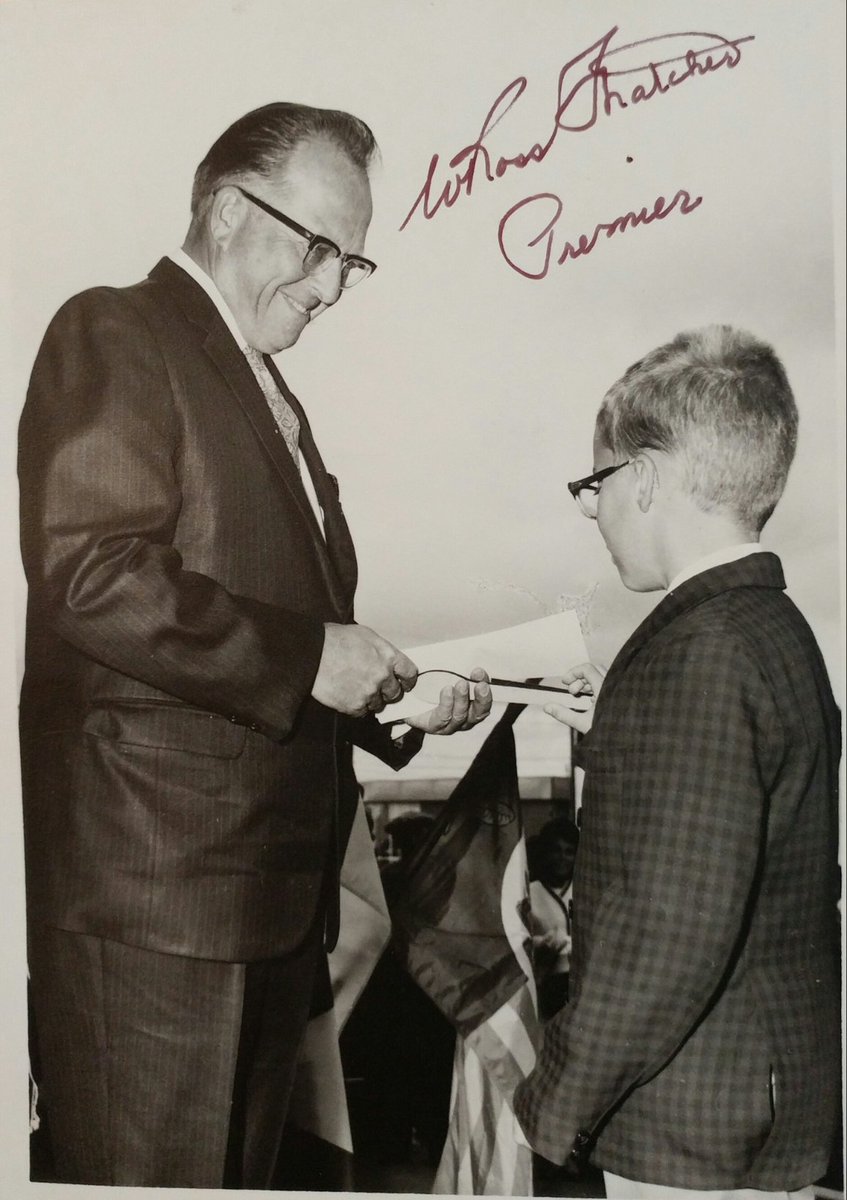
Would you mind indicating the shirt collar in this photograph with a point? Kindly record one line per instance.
(187, 263)
(717, 558)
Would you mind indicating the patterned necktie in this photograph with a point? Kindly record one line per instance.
(284, 415)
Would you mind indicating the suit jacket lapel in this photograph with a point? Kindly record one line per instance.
(338, 540)
(336, 552)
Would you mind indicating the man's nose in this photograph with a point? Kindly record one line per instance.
(327, 282)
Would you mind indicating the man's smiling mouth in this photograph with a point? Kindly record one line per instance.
(296, 305)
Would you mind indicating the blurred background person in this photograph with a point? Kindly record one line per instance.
(552, 854)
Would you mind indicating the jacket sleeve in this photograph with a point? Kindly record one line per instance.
(369, 734)
(692, 784)
(100, 500)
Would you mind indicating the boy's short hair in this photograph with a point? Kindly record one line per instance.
(719, 398)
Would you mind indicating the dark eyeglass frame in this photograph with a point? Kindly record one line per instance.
(591, 483)
(314, 239)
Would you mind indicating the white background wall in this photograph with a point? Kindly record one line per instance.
(452, 397)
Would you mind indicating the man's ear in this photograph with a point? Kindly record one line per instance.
(226, 215)
(646, 481)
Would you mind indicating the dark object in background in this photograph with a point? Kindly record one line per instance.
(551, 856)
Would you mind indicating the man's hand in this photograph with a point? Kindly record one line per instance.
(584, 680)
(455, 709)
(552, 943)
(360, 672)
(547, 949)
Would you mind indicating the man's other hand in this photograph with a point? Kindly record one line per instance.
(360, 672)
(455, 709)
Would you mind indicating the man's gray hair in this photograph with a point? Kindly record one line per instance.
(720, 399)
(260, 143)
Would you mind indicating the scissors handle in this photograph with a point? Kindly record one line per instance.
(512, 683)
(532, 687)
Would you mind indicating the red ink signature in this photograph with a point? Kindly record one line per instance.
(585, 92)
(541, 243)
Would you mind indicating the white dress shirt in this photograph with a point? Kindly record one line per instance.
(551, 918)
(717, 558)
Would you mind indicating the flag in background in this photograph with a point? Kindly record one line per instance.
(319, 1142)
(364, 925)
(462, 924)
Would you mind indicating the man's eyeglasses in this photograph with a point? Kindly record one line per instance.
(585, 491)
(320, 251)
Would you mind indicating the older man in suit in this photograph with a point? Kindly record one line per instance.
(194, 678)
(699, 1052)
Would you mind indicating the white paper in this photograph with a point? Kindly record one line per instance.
(534, 649)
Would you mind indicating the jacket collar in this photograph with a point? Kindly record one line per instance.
(196, 304)
(762, 569)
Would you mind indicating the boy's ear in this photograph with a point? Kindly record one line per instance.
(646, 481)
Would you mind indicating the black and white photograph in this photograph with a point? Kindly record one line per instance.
(423, 575)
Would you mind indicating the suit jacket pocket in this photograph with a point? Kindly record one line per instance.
(163, 726)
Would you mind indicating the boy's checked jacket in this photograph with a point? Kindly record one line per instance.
(701, 1047)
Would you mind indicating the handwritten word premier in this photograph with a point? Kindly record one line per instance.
(585, 92)
(536, 205)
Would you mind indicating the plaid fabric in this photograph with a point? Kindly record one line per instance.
(701, 1044)
(462, 923)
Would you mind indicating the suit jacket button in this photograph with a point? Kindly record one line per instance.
(580, 1146)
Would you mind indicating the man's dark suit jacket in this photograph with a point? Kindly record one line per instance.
(700, 1047)
(183, 793)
